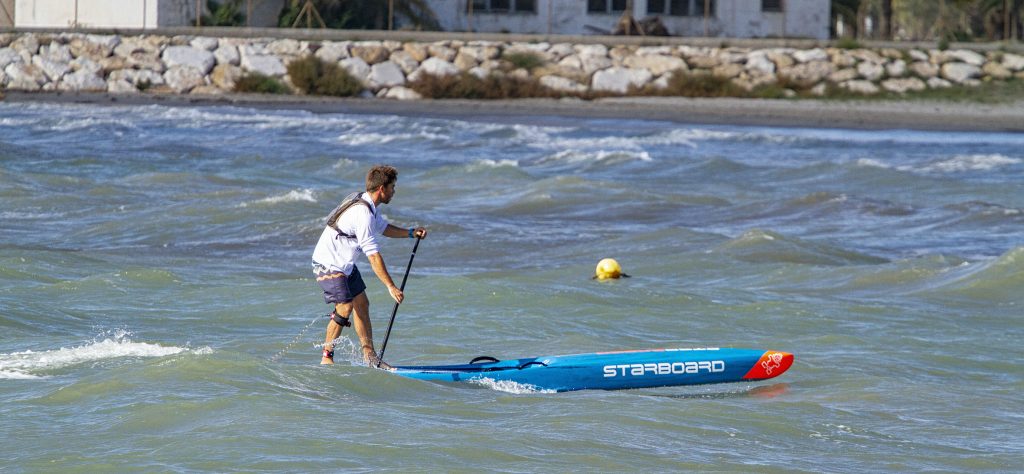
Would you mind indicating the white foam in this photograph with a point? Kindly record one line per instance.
(489, 163)
(302, 195)
(343, 163)
(607, 157)
(29, 364)
(962, 163)
(67, 124)
(956, 164)
(872, 163)
(15, 122)
(509, 386)
(357, 137)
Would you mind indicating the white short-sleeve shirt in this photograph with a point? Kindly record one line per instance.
(339, 253)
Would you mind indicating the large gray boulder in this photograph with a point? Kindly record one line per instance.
(8, 56)
(83, 80)
(656, 63)
(618, 80)
(960, 73)
(265, 64)
(24, 76)
(871, 71)
(332, 52)
(902, 85)
(810, 55)
(136, 77)
(405, 61)
(200, 59)
(53, 69)
(357, 68)
(860, 87)
(562, 84)
(1013, 62)
(437, 67)
(184, 78)
(386, 74)
(402, 93)
(205, 43)
(967, 56)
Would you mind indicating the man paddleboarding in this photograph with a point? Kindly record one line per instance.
(352, 228)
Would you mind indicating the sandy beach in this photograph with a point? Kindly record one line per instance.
(868, 115)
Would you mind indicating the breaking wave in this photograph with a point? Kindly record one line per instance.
(303, 195)
(40, 364)
(955, 164)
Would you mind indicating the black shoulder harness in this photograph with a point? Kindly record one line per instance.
(353, 199)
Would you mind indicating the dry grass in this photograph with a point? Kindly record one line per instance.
(313, 76)
(468, 86)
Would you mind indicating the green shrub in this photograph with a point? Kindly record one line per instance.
(770, 91)
(313, 76)
(468, 86)
(848, 43)
(260, 84)
(525, 60)
(683, 84)
(227, 13)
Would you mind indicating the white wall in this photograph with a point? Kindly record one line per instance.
(733, 18)
(103, 13)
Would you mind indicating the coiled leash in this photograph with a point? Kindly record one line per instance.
(344, 322)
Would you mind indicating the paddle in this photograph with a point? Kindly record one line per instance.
(387, 334)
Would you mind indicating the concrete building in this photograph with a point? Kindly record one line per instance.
(711, 18)
(716, 18)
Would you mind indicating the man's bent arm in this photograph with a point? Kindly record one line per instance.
(396, 232)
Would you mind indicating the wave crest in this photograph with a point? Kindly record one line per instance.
(33, 365)
(763, 246)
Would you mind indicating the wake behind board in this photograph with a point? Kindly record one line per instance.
(615, 370)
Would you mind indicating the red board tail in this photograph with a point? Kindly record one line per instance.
(771, 364)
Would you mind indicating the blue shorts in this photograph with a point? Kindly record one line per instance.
(338, 287)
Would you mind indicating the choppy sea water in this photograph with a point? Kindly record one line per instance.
(155, 285)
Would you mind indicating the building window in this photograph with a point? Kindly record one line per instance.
(504, 6)
(699, 11)
(669, 7)
(606, 6)
(679, 7)
(771, 5)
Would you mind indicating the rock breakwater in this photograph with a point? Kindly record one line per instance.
(208, 65)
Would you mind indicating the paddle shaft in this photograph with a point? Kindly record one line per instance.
(394, 311)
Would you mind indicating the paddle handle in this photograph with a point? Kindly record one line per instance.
(380, 358)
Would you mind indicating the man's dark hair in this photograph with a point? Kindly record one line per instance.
(380, 175)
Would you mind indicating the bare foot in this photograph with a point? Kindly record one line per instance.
(371, 360)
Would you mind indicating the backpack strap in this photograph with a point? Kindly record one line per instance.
(351, 200)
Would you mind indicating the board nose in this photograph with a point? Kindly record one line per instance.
(771, 364)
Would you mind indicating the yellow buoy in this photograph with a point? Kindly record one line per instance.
(607, 268)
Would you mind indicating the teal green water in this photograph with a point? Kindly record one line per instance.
(158, 314)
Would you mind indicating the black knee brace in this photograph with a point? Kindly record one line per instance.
(343, 322)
